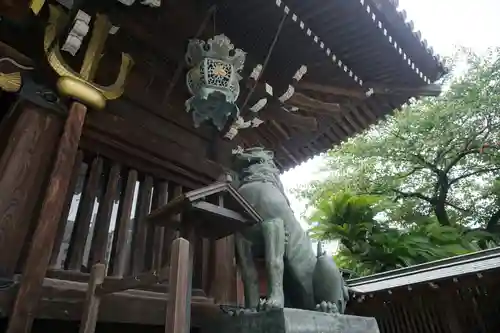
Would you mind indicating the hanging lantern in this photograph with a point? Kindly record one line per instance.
(213, 80)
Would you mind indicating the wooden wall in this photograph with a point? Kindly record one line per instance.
(124, 169)
(24, 166)
(468, 304)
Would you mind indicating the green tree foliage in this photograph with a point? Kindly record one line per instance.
(432, 169)
(369, 244)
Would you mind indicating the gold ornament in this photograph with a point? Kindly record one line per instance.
(79, 85)
(10, 82)
(36, 6)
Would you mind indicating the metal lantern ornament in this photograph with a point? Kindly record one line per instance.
(213, 80)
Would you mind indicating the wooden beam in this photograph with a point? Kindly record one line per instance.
(148, 140)
(313, 105)
(425, 90)
(62, 300)
(7, 51)
(144, 161)
(99, 243)
(178, 313)
(61, 228)
(133, 282)
(24, 166)
(77, 276)
(92, 300)
(79, 234)
(45, 233)
(288, 118)
(121, 250)
(333, 90)
(15, 10)
(378, 88)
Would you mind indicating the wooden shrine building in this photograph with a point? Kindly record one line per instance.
(118, 116)
(453, 295)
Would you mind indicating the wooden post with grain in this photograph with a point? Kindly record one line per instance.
(179, 296)
(79, 88)
(92, 299)
(43, 239)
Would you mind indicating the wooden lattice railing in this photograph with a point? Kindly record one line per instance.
(104, 222)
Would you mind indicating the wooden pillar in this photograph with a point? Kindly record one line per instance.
(24, 167)
(223, 288)
(224, 279)
(92, 300)
(121, 242)
(179, 296)
(43, 240)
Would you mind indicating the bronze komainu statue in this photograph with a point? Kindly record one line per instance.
(296, 277)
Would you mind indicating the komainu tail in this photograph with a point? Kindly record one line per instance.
(328, 283)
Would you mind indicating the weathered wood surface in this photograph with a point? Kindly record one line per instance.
(223, 277)
(92, 300)
(171, 233)
(160, 198)
(103, 220)
(223, 287)
(24, 166)
(139, 242)
(63, 300)
(120, 254)
(67, 206)
(8, 51)
(133, 282)
(46, 228)
(147, 137)
(15, 10)
(178, 312)
(84, 277)
(74, 258)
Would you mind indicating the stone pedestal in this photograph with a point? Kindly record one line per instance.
(292, 321)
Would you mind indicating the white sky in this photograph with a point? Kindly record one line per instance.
(445, 24)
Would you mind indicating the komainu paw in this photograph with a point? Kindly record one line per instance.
(327, 307)
(269, 304)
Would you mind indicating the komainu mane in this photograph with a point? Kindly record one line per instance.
(296, 277)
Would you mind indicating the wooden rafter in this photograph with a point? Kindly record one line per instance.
(333, 90)
(313, 105)
(425, 90)
(378, 88)
(291, 119)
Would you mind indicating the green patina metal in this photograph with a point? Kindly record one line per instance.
(213, 80)
(296, 277)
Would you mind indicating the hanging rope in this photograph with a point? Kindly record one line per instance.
(180, 66)
(266, 61)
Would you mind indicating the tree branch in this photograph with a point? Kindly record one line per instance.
(415, 169)
(463, 210)
(414, 195)
(442, 152)
(431, 166)
(493, 221)
(468, 148)
(459, 156)
(473, 173)
(431, 200)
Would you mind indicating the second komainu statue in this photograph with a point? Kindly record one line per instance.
(297, 278)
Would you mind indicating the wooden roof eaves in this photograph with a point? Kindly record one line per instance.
(177, 204)
(397, 18)
(403, 273)
(380, 23)
(391, 22)
(321, 44)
